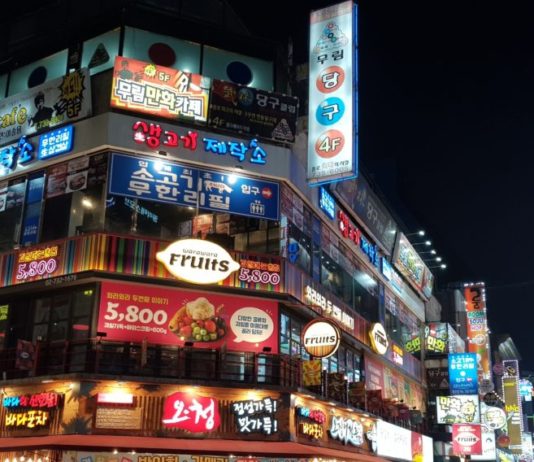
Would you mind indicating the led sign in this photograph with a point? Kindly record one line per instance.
(30, 411)
(256, 416)
(189, 412)
(197, 261)
(379, 338)
(314, 426)
(37, 263)
(321, 338)
(56, 142)
(346, 430)
(351, 232)
(314, 298)
(16, 155)
(327, 203)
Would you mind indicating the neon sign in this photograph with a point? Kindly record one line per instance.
(16, 155)
(350, 231)
(37, 263)
(346, 430)
(37, 416)
(327, 203)
(314, 298)
(196, 414)
(256, 416)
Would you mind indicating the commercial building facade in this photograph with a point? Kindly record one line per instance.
(162, 258)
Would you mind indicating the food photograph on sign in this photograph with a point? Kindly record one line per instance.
(164, 316)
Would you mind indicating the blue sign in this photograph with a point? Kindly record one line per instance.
(172, 183)
(15, 155)
(32, 212)
(463, 373)
(56, 142)
(327, 203)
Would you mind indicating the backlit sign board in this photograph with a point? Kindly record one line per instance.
(379, 338)
(477, 327)
(466, 439)
(186, 411)
(197, 261)
(457, 409)
(56, 142)
(327, 203)
(463, 373)
(256, 416)
(332, 120)
(321, 338)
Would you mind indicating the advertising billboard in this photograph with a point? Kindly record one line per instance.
(512, 404)
(53, 103)
(161, 91)
(253, 112)
(173, 183)
(477, 327)
(332, 113)
(165, 316)
(411, 265)
(457, 409)
(466, 439)
(393, 441)
(463, 374)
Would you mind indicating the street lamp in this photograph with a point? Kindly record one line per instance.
(427, 243)
(418, 233)
(442, 266)
(433, 252)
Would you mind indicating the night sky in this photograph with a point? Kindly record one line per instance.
(447, 132)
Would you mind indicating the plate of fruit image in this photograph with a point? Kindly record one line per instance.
(198, 321)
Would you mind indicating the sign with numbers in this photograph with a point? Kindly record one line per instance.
(252, 111)
(463, 373)
(157, 90)
(172, 183)
(332, 119)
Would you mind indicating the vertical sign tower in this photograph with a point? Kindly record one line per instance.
(333, 94)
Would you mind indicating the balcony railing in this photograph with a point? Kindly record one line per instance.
(101, 358)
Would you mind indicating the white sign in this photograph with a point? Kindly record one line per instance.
(197, 261)
(321, 338)
(314, 298)
(457, 409)
(346, 430)
(493, 418)
(379, 338)
(251, 325)
(333, 127)
(114, 398)
(488, 447)
(393, 441)
(428, 449)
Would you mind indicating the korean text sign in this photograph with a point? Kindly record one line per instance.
(333, 124)
(253, 111)
(457, 409)
(134, 312)
(162, 91)
(466, 439)
(477, 326)
(197, 414)
(172, 183)
(463, 373)
(53, 103)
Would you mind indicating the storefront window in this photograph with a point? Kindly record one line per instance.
(366, 295)
(11, 207)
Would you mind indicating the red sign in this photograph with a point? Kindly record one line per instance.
(466, 439)
(134, 312)
(187, 411)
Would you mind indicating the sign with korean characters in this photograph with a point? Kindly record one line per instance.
(436, 337)
(172, 183)
(410, 264)
(466, 439)
(311, 422)
(256, 416)
(186, 411)
(166, 316)
(30, 411)
(393, 441)
(477, 326)
(197, 261)
(333, 75)
(463, 375)
(457, 409)
(38, 263)
(253, 111)
(512, 403)
(151, 89)
(53, 103)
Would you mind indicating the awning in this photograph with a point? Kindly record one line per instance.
(96, 443)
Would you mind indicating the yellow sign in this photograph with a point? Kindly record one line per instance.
(28, 419)
(379, 338)
(311, 372)
(197, 261)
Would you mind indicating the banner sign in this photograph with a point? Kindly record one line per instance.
(466, 439)
(463, 377)
(411, 265)
(457, 409)
(252, 111)
(393, 441)
(133, 312)
(358, 196)
(333, 76)
(512, 403)
(53, 103)
(172, 183)
(151, 89)
(477, 326)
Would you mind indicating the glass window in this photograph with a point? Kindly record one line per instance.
(11, 205)
(299, 248)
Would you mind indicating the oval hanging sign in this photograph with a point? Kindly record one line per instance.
(379, 338)
(197, 261)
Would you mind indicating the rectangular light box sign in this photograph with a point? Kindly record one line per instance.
(332, 113)
(56, 142)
